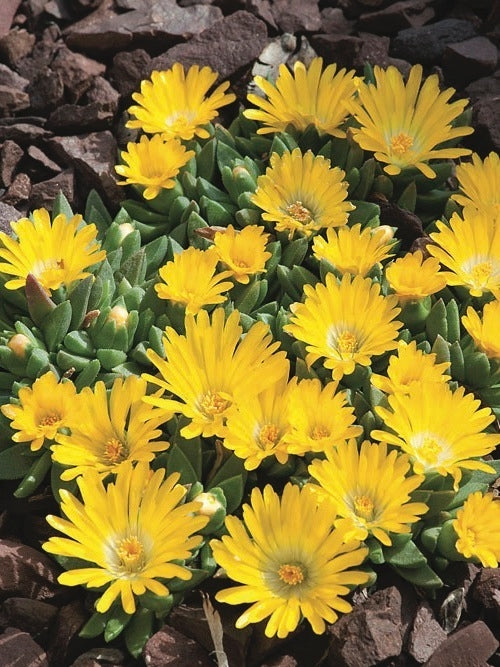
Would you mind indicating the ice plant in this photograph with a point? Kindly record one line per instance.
(309, 96)
(470, 248)
(370, 489)
(243, 253)
(320, 417)
(404, 124)
(191, 280)
(177, 104)
(112, 430)
(484, 331)
(410, 366)
(477, 530)
(479, 183)
(209, 367)
(412, 278)
(132, 533)
(152, 163)
(442, 430)
(44, 408)
(289, 561)
(56, 252)
(352, 249)
(301, 193)
(346, 323)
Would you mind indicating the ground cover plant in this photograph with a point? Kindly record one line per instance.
(243, 379)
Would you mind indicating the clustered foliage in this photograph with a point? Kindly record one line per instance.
(245, 369)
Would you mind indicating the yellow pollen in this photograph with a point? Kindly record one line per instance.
(241, 264)
(299, 212)
(429, 450)
(400, 143)
(114, 450)
(213, 404)
(49, 420)
(319, 432)
(291, 574)
(268, 436)
(131, 554)
(363, 506)
(347, 343)
(481, 272)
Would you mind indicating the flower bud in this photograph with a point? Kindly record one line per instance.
(209, 504)
(118, 315)
(19, 344)
(125, 229)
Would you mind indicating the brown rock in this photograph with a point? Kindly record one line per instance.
(297, 15)
(63, 636)
(77, 72)
(170, 647)
(22, 132)
(472, 59)
(374, 50)
(16, 45)
(468, 647)
(25, 572)
(31, 616)
(42, 160)
(129, 68)
(17, 649)
(486, 589)
(10, 154)
(426, 634)
(226, 47)
(397, 16)
(340, 49)
(486, 137)
(46, 90)
(10, 78)
(72, 118)
(262, 9)
(43, 193)
(8, 9)
(281, 661)
(17, 193)
(8, 214)
(488, 86)
(95, 658)
(12, 100)
(333, 20)
(102, 93)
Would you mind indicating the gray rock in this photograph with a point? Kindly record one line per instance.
(8, 214)
(463, 62)
(426, 44)
(10, 154)
(396, 16)
(296, 15)
(10, 78)
(18, 192)
(488, 86)
(334, 20)
(426, 634)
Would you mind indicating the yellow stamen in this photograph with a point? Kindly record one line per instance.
(481, 273)
(319, 432)
(115, 451)
(299, 212)
(347, 343)
(241, 264)
(363, 506)
(49, 420)
(212, 404)
(429, 450)
(131, 554)
(268, 436)
(401, 143)
(291, 574)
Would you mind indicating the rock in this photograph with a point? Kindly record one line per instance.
(71, 119)
(170, 647)
(43, 193)
(46, 90)
(486, 589)
(58, 9)
(151, 22)
(129, 68)
(426, 44)
(471, 59)
(408, 224)
(374, 50)
(22, 133)
(17, 193)
(17, 649)
(8, 214)
(16, 45)
(340, 49)
(396, 16)
(10, 154)
(10, 78)
(226, 47)
(42, 160)
(426, 634)
(333, 20)
(12, 100)
(77, 72)
(296, 15)
(64, 640)
(95, 658)
(488, 86)
(281, 661)
(471, 645)
(102, 93)
(262, 9)
(486, 135)
(30, 616)
(84, 6)
(8, 9)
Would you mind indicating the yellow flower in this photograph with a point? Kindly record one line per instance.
(44, 408)
(480, 184)
(353, 250)
(441, 430)
(210, 368)
(176, 104)
(370, 490)
(306, 97)
(259, 426)
(413, 279)
(153, 163)
(301, 193)
(485, 332)
(470, 248)
(410, 366)
(111, 430)
(133, 533)
(477, 528)
(56, 253)
(289, 560)
(319, 416)
(191, 279)
(346, 322)
(244, 252)
(405, 124)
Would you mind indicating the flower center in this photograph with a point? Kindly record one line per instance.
(213, 403)
(115, 451)
(50, 272)
(346, 343)
(470, 538)
(429, 450)
(130, 552)
(363, 506)
(299, 212)
(268, 435)
(241, 264)
(401, 143)
(50, 420)
(481, 273)
(319, 432)
(291, 574)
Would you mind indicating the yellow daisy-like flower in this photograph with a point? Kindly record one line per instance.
(485, 332)
(370, 490)
(133, 533)
(412, 278)
(191, 279)
(56, 253)
(405, 124)
(153, 163)
(210, 368)
(479, 183)
(259, 426)
(176, 104)
(244, 253)
(477, 528)
(346, 323)
(44, 408)
(289, 560)
(470, 248)
(111, 430)
(410, 366)
(319, 417)
(441, 430)
(302, 193)
(352, 249)
(306, 97)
